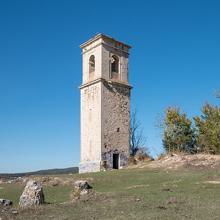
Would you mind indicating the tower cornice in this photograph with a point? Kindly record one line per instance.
(111, 82)
(102, 36)
(105, 44)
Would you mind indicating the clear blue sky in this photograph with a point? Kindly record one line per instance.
(175, 60)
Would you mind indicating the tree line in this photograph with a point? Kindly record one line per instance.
(201, 134)
(198, 135)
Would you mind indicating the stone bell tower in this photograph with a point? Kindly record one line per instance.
(105, 104)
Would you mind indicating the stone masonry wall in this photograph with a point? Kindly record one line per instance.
(115, 123)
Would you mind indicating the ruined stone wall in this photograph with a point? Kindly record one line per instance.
(115, 122)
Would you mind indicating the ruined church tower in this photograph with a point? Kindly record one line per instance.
(105, 104)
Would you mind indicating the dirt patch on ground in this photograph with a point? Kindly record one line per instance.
(176, 161)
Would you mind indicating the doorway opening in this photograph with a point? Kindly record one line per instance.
(115, 161)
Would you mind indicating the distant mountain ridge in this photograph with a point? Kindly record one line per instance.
(43, 172)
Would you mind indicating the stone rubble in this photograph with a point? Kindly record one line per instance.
(81, 188)
(176, 161)
(5, 202)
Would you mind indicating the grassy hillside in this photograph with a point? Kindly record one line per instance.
(130, 194)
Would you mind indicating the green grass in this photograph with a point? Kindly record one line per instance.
(131, 194)
(53, 195)
(11, 191)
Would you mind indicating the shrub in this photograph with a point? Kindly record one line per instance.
(178, 132)
(208, 129)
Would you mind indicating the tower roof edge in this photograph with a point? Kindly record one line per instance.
(103, 36)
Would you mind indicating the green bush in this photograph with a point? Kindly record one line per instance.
(178, 134)
(208, 129)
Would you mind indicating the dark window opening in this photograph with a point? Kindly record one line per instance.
(118, 129)
(114, 67)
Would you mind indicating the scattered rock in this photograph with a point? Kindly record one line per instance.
(82, 185)
(24, 180)
(14, 211)
(54, 183)
(84, 192)
(81, 188)
(167, 189)
(32, 195)
(172, 200)
(161, 207)
(5, 202)
(1, 180)
(18, 180)
(44, 179)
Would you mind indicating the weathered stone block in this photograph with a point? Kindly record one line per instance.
(32, 195)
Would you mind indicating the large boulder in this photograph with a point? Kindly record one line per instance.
(32, 195)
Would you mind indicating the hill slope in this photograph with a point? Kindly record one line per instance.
(43, 172)
(137, 193)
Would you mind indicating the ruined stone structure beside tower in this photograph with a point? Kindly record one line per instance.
(105, 104)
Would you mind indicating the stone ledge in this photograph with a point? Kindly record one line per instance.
(105, 81)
